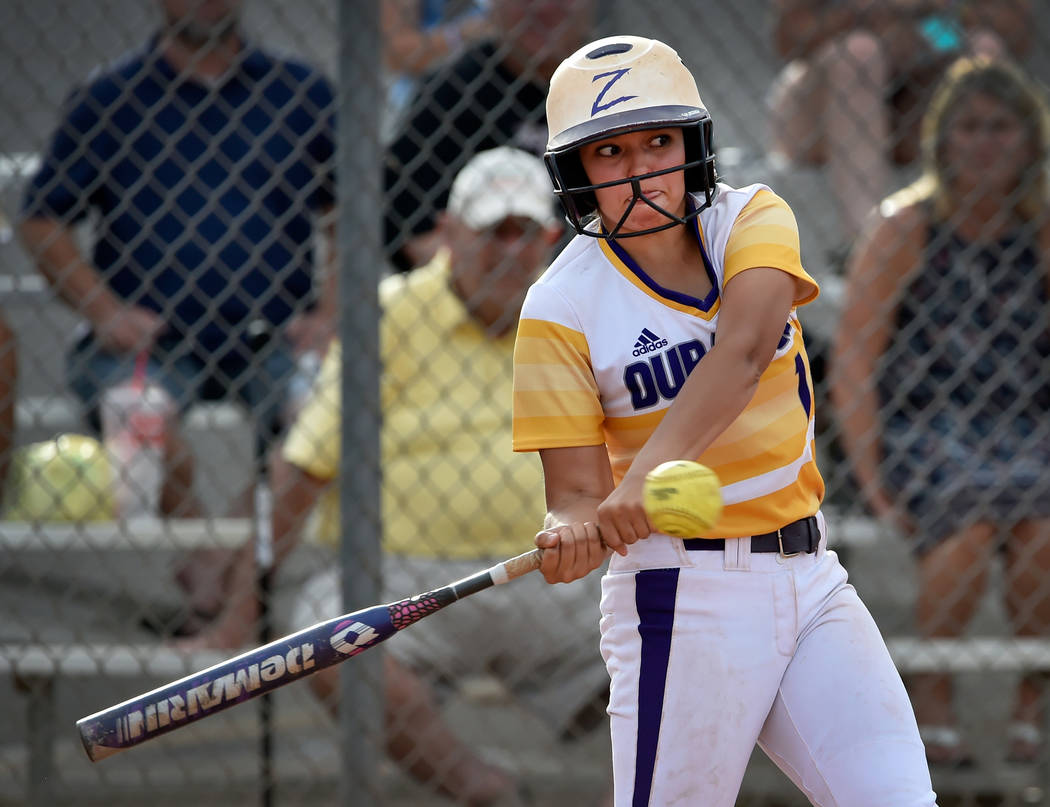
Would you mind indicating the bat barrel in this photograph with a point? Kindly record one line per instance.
(266, 668)
(232, 682)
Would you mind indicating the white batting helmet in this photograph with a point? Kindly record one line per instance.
(623, 84)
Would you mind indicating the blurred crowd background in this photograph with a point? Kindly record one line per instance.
(226, 223)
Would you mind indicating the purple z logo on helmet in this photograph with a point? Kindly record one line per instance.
(598, 106)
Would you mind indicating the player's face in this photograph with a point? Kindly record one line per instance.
(631, 155)
(493, 268)
(986, 145)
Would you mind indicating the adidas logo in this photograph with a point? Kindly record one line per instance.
(647, 343)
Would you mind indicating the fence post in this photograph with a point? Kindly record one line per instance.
(357, 161)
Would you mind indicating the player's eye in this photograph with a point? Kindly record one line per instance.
(660, 140)
(607, 150)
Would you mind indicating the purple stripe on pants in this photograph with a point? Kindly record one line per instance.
(655, 591)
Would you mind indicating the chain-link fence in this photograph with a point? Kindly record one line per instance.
(182, 481)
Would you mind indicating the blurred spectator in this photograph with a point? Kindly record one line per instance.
(8, 395)
(206, 161)
(492, 95)
(941, 377)
(858, 75)
(418, 35)
(455, 497)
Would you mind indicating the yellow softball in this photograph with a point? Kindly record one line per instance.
(682, 498)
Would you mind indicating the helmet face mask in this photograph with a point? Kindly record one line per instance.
(614, 86)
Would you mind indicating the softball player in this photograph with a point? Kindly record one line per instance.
(667, 329)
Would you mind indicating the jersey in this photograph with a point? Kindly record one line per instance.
(602, 350)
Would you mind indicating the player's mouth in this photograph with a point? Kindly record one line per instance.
(645, 200)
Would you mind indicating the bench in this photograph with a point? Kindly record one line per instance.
(35, 666)
(57, 413)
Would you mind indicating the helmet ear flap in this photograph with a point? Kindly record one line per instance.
(567, 173)
(575, 177)
(698, 148)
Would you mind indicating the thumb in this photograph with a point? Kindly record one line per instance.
(545, 539)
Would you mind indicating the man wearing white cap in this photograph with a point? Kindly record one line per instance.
(455, 497)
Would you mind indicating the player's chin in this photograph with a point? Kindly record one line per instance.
(640, 225)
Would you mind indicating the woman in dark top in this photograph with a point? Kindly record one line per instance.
(942, 373)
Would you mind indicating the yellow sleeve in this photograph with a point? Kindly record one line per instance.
(556, 403)
(766, 234)
(313, 441)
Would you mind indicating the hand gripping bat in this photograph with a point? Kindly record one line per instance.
(273, 665)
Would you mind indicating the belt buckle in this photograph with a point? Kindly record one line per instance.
(780, 542)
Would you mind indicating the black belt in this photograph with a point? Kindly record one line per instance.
(797, 537)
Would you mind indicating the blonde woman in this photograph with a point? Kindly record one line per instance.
(940, 379)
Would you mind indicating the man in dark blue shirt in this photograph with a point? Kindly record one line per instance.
(206, 163)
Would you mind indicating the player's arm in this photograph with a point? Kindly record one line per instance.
(887, 254)
(576, 481)
(755, 306)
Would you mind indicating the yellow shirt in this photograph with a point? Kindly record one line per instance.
(452, 487)
(603, 350)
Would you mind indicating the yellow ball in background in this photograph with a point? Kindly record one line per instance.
(682, 498)
(67, 478)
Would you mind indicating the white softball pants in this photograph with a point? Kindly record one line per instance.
(711, 652)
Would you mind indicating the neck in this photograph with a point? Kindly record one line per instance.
(665, 254)
(985, 218)
(206, 59)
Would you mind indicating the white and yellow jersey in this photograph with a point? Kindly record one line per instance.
(602, 351)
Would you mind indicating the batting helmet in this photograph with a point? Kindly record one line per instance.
(616, 85)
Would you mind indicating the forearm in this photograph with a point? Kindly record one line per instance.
(60, 261)
(572, 509)
(576, 480)
(713, 396)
